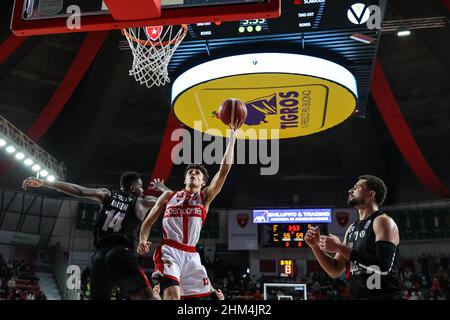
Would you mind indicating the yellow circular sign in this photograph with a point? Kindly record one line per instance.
(293, 104)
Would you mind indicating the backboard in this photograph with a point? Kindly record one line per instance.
(36, 17)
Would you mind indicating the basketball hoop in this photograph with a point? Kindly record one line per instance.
(152, 49)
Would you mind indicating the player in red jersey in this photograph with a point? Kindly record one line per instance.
(177, 264)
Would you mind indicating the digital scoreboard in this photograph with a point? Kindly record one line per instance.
(286, 268)
(287, 235)
(296, 16)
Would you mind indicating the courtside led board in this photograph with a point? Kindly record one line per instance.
(321, 215)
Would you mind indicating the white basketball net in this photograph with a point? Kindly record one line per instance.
(151, 56)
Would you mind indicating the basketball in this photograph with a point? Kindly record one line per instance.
(231, 110)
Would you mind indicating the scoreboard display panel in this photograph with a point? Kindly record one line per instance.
(296, 16)
(286, 268)
(287, 235)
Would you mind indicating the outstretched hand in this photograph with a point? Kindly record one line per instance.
(158, 185)
(144, 247)
(236, 125)
(157, 292)
(219, 294)
(312, 237)
(330, 243)
(31, 182)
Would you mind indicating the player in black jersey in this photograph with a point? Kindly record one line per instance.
(369, 253)
(114, 261)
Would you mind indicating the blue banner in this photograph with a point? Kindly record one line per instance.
(322, 215)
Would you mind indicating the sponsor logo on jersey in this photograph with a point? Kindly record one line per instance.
(174, 211)
(356, 269)
(352, 228)
(194, 200)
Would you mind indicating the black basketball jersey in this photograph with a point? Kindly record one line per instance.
(117, 221)
(362, 238)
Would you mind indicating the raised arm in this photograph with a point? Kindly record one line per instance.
(99, 195)
(333, 266)
(158, 185)
(144, 204)
(157, 210)
(218, 180)
(386, 242)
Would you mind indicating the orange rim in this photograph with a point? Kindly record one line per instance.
(157, 43)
